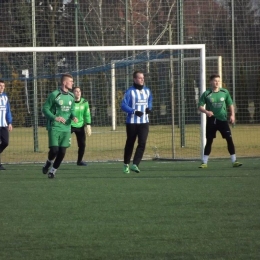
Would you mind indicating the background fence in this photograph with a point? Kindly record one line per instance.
(228, 28)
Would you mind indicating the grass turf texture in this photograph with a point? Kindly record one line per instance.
(104, 144)
(171, 210)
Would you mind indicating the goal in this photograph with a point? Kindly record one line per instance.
(176, 75)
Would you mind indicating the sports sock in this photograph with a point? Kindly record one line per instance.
(233, 158)
(205, 159)
(53, 170)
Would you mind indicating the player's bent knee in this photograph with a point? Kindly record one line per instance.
(53, 151)
(62, 150)
(228, 138)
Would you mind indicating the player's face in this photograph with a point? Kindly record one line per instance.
(68, 83)
(215, 83)
(139, 79)
(77, 93)
(2, 87)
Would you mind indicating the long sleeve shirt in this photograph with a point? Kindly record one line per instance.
(137, 100)
(5, 111)
(82, 113)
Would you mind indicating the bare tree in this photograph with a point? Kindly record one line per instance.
(254, 8)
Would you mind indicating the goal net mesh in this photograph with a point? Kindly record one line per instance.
(175, 121)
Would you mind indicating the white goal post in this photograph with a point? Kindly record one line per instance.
(76, 49)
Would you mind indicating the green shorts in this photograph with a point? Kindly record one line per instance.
(58, 138)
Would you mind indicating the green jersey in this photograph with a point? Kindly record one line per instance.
(217, 102)
(59, 103)
(82, 113)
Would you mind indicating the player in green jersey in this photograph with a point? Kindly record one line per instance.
(83, 125)
(217, 100)
(59, 112)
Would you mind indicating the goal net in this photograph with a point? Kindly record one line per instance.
(176, 75)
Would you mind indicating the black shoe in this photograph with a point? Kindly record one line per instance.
(2, 167)
(82, 163)
(46, 167)
(51, 175)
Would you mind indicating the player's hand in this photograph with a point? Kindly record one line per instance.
(209, 113)
(148, 111)
(88, 130)
(139, 113)
(10, 127)
(75, 120)
(60, 119)
(232, 119)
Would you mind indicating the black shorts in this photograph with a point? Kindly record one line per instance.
(213, 125)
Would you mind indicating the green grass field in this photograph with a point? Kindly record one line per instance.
(104, 144)
(171, 210)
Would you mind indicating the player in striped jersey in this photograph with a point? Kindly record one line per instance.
(5, 120)
(137, 103)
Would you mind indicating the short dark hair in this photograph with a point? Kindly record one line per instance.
(1, 81)
(76, 88)
(137, 72)
(213, 76)
(66, 75)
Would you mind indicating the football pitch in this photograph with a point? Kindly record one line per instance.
(171, 210)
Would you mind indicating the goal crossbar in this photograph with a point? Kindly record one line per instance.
(104, 48)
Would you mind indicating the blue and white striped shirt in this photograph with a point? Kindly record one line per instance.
(5, 111)
(137, 100)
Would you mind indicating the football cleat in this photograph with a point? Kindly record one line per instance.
(2, 167)
(237, 164)
(82, 163)
(126, 169)
(46, 167)
(51, 175)
(134, 168)
(203, 165)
